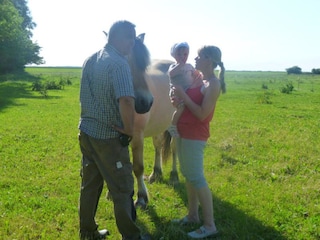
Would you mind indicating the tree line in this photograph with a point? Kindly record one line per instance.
(16, 46)
(298, 70)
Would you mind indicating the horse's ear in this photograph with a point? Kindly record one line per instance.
(141, 37)
(105, 33)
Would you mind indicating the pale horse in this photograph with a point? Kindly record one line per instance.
(151, 84)
(154, 124)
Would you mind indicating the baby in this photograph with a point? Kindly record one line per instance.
(183, 74)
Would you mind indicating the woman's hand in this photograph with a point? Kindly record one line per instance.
(175, 100)
(178, 92)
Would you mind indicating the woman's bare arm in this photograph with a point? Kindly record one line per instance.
(211, 94)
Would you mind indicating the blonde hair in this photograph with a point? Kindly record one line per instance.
(214, 53)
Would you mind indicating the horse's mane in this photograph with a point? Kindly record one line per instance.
(140, 55)
(139, 60)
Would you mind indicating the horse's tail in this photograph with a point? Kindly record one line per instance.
(166, 143)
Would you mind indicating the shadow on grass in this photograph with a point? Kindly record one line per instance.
(231, 222)
(16, 86)
(19, 76)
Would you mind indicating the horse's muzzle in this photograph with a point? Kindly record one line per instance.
(143, 101)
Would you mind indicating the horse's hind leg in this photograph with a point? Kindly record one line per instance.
(156, 174)
(174, 177)
(169, 146)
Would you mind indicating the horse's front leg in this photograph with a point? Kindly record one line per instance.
(156, 174)
(138, 169)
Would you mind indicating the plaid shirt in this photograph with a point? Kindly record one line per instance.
(106, 77)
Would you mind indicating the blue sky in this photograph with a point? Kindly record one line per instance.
(252, 34)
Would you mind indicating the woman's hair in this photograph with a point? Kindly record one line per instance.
(214, 53)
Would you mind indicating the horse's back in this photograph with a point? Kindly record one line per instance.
(160, 65)
(161, 111)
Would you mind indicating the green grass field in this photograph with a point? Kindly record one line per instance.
(262, 161)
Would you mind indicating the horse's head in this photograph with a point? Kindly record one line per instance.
(139, 60)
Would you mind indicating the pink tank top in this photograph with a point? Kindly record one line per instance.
(189, 126)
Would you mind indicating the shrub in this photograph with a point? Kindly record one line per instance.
(294, 70)
(288, 88)
(36, 86)
(316, 71)
(265, 97)
(43, 87)
(52, 85)
(264, 86)
(39, 87)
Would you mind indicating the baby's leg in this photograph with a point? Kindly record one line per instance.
(175, 118)
(177, 114)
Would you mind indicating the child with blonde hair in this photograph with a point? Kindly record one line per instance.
(182, 74)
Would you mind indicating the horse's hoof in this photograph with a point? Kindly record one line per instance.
(145, 178)
(140, 203)
(174, 178)
(152, 178)
(155, 176)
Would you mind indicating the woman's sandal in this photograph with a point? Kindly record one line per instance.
(183, 221)
(202, 232)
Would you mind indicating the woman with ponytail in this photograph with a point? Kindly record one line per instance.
(193, 127)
